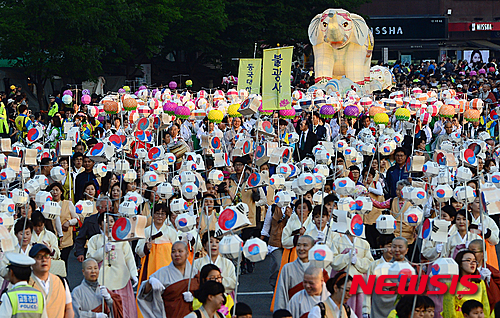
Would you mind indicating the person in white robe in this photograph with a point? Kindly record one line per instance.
(292, 274)
(335, 302)
(314, 292)
(226, 267)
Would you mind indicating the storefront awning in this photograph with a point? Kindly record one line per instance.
(485, 44)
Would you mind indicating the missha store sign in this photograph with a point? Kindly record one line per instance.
(409, 28)
(473, 26)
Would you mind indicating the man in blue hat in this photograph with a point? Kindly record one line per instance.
(21, 300)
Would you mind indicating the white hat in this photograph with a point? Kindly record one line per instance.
(21, 260)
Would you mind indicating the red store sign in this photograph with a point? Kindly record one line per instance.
(473, 26)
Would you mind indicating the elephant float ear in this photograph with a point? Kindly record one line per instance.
(360, 30)
(315, 34)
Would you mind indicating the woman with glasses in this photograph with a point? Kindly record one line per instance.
(211, 272)
(452, 303)
(156, 249)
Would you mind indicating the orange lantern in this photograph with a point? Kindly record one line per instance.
(447, 111)
(375, 110)
(476, 103)
(129, 104)
(110, 107)
(472, 115)
(463, 105)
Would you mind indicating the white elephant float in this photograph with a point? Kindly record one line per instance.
(342, 45)
(383, 75)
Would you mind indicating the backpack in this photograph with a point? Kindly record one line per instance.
(198, 314)
(322, 308)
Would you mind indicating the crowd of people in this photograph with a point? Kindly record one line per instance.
(175, 272)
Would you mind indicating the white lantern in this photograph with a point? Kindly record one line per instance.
(230, 246)
(444, 266)
(445, 177)
(130, 175)
(187, 177)
(443, 192)
(464, 194)
(283, 169)
(32, 187)
(363, 205)
(185, 222)
(382, 269)
(178, 205)
(100, 169)
(430, 169)
(414, 215)
(386, 149)
(84, 208)
(151, 178)
(122, 166)
(42, 197)
(51, 210)
(176, 181)
(495, 178)
(295, 189)
(386, 224)
(346, 204)
(42, 180)
(307, 163)
(127, 208)
(318, 197)
(7, 175)
(463, 174)
(350, 153)
(401, 269)
(341, 145)
(322, 156)
(277, 181)
(215, 177)
(344, 186)
(323, 169)
(319, 181)
(320, 256)
(3, 160)
(25, 174)
(282, 198)
(170, 158)
(306, 181)
(165, 190)
(7, 220)
(160, 166)
(189, 190)
(8, 206)
(141, 153)
(255, 250)
(368, 149)
(135, 197)
(57, 174)
(418, 196)
(19, 196)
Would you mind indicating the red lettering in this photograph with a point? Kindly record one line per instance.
(359, 282)
(438, 285)
(471, 287)
(381, 283)
(453, 285)
(412, 286)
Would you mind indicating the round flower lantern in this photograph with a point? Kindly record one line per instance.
(265, 111)
(472, 115)
(129, 104)
(172, 85)
(327, 111)
(351, 111)
(287, 113)
(169, 108)
(374, 110)
(381, 118)
(182, 112)
(232, 110)
(402, 114)
(86, 99)
(111, 107)
(215, 116)
(447, 111)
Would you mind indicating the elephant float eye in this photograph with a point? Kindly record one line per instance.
(345, 24)
(325, 24)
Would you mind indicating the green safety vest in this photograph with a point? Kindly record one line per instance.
(53, 110)
(26, 301)
(20, 122)
(4, 125)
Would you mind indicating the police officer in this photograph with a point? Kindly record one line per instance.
(54, 107)
(22, 300)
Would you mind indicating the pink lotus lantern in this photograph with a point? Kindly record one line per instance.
(182, 112)
(169, 108)
(416, 90)
(327, 111)
(172, 85)
(265, 111)
(287, 113)
(351, 111)
(86, 99)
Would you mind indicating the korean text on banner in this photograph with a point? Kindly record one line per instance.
(276, 91)
(249, 75)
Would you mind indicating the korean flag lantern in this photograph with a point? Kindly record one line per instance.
(322, 156)
(282, 198)
(306, 181)
(344, 186)
(350, 154)
(414, 215)
(323, 169)
(230, 246)
(277, 181)
(19, 196)
(401, 269)
(130, 175)
(189, 190)
(100, 169)
(178, 205)
(418, 196)
(57, 174)
(319, 181)
(122, 166)
(7, 175)
(84, 208)
(127, 208)
(443, 192)
(283, 169)
(216, 177)
(430, 169)
(165, 190)
(8, 206)
(151, 178)
(495, 178)
(444, 266)
(185, 222)
(386, 224)
(32, 187)
(42, 197)
(51, 210)
(464, 194)
(320, 256)
(255, 250)
(463, 174)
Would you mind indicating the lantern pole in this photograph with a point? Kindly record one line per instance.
(345, 284)
(194, 248)
(238, 269)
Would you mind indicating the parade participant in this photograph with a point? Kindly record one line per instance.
(90, 227)
(452, 304)
(211, 272)
(67, 220)
(46, 165)
(460, 239)
(355, 250)
(155, 250)
(295, 227)
(229, 136)
(118, 264)
(487, 226)
(211, 295)
(290, 279)
(330, 307)
(243, 310)
(83, 178)
(375, 192)
(319, 228)
(116, 193)
(23, 122)
(23, 238)
(90, 191)
(317, 128)
(473, 309)
(376, 305)
(54, 134)
(89, 295)
(405, 305)
(164, 293)
(64, 162)
(448, 130)
(210, 210)
(4, 124)
(314, 292)
(396, 173)
(77, 162)
(42, 235)
(226, 266)
(429, 251)
(21, 300)
(55, 290)
(307, 141)
(488, 273)
(54, 107)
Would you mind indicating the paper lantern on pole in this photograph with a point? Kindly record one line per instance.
(32, 187)
(430, 169)
(319, 181)
(100, 169)
(401, 269)
(230, 246)
(110, 107)
(160, 166)
(386, 224)
(322, 156)
(8, 206)
(402, 114)
(185, 222)
(320, 256)
(169, 108)
(255, 250)
(42, 197)
(444, 266)
(306, 181)
(418, 196)
(24, 173)
(351, 111)
(443, 192)
(182, 112)
(122, 166)
(463, 174)
(215, 116)
(130, 175)
(494, 178)
(414, 215)
(381, 119)
(135, 197)
(327, 111)
(165, 190)
(472, 115)
(57, 174)
(287, 113)
(447, 111)
(129, 104)
(322, 168)
(151, 178)
(344, 186)
(7, 175)
(464, 194)
(19, 196)
(282, 198)
(277, 181)
(127, 208)
(51, 210)
(84, 208)
(382, 269)
(178, 205)
(189, 190)
(318, 198)
(476, 103)
(187, 177)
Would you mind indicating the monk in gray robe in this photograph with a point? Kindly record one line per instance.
(314, 292)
